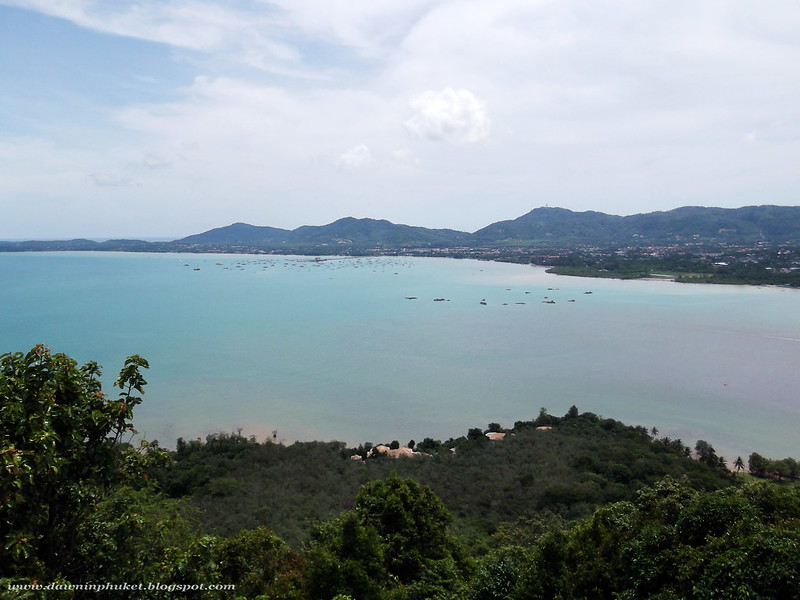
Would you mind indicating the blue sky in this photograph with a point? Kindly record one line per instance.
(161, 118)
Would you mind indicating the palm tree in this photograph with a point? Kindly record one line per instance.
(738, 464)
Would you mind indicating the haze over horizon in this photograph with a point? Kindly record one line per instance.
(166, 118)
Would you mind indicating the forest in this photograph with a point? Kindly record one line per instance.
(572, 507)
(753, 265)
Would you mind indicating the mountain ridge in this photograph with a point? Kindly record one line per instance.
(543, 226)
(553, 225)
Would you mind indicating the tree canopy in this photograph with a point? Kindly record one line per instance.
(59, 437)
(624, 515)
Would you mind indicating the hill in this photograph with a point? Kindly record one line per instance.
(750, 224)
(553, 226)
(347, 231)
(239, 233)
(543, 227)
(565, 466)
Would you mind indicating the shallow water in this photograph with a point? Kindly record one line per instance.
(333, 349)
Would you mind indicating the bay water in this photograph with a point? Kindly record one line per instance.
(394, 348)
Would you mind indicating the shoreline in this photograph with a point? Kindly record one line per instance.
(544, 369)
(476, 254)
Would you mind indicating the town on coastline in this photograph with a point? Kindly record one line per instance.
(755, 245)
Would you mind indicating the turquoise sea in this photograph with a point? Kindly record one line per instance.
(335, 349)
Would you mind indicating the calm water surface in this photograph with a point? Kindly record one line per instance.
(335, 349)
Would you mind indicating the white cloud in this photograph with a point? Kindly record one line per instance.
(227, 121)
(362, 158)
(615, 105)
(237, 31)
(404, 158)
(155, 160)
(111, 180)
(359, 157)
(371, 27)
(454, 116)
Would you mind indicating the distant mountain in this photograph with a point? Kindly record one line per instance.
(774, 224)
(546, 225)
(346, 231)
(78, 244)
(239, 233)
(551, 225)
(558, 227)
(748, 224)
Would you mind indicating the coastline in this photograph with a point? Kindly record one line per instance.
(520, 355)
(478, 253)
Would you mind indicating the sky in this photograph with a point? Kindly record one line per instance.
(164, 118)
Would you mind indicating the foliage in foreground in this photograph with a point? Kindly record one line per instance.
(59, 443)
(80, 506)
(670, 542)
(394, 544)
(567, 466)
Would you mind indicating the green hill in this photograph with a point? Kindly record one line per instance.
(751, 224)
(581, 462)
(546, 226)
(542, 226)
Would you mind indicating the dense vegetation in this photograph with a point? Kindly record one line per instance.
(670, 542)
(562, 507)
(584, 461)
(735, 265)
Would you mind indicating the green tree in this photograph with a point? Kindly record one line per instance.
(412, 522)
(260, 564)
(139, 537)
(346, 558)
(59, 452)
(674, 542)
(786, 468)
(395, 541)
(428, 445)
(475, 433)
(545, 419)
(757, 464)
(707, 455)
(498, 573)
